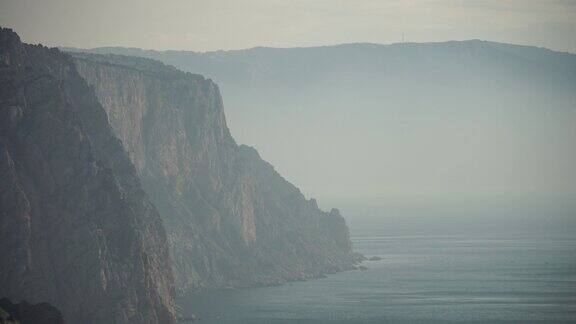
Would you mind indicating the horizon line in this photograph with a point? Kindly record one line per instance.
(309, 47)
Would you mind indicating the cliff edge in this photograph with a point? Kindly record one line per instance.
(232, 220)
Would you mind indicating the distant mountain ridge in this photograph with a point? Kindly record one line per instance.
(390, 104)
(177, 57)
(135, 50)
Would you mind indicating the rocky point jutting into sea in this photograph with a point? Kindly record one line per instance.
(117, 172)
(232, 220)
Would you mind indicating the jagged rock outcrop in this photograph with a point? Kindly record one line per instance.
(76, 229)
(233, 221)
(26, 313)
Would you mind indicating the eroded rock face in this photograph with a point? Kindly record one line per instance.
(76, 228)
(233, 221)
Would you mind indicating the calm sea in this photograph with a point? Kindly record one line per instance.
(449, 269)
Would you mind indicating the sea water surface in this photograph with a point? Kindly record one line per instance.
(442, 270)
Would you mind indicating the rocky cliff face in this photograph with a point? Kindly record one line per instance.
(76, 228)
(233, 221)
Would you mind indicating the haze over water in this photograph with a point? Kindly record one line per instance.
(445, 142)
(440, 264)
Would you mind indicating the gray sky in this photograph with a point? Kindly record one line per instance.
(233, 24)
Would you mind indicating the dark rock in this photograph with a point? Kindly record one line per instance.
(76, 228)
(26, 313)
(6, 318)
(358, 257)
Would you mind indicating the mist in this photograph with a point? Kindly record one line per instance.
(279, 162)
(455, 121)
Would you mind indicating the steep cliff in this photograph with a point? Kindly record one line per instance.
(76, 228)
(233, 221)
